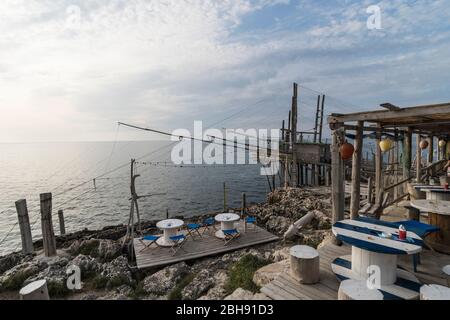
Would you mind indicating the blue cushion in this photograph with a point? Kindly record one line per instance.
(178, 237)
(419, 228)
(209, 221)
(250, 219)
(193, 226)
(150, 238)
(230, 232)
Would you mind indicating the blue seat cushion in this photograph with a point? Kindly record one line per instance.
(209, 221)
(230, 232)
(150, 238)
(193, 226)
(250, 219)
(419, 228)
(178, 237)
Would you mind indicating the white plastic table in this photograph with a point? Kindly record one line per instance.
(371, 250)
(170, 228)
(227, 221)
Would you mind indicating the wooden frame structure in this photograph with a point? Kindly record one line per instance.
(426, 122)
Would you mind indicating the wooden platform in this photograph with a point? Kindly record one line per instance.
(209, 245)
(285, 287)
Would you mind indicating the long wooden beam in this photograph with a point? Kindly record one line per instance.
(392, 115)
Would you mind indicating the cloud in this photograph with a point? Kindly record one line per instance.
(70, 69)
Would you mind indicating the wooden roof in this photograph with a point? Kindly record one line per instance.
(430, 118)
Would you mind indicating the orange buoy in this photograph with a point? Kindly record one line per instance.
(346, 150)
(423, 144)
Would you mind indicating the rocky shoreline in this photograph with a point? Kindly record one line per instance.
(108, 274)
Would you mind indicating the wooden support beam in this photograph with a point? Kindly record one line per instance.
(337, 179)
(356, 172)
(430, 150)
(24, 226)
(294, 135)
(407, 155)
(378, 169)
(418, 160)
(48, 234)
(322, 107)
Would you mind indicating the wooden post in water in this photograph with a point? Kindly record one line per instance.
(24, 225)
(48, 233)
(418, 160)
(244, 205)
(62, 226)
(356, 172)
(225, 208)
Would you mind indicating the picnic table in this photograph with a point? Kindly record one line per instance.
(227, 221)
(170, 228)
(439, 216)
(374, 258)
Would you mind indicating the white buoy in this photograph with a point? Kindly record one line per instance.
(305, 265)
(36, 290)
(434, 292)
(357, 290)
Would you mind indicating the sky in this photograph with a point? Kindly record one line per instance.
(70, 70)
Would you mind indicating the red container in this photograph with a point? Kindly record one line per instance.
(446, 186)
(402, 234)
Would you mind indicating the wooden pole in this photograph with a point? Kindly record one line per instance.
(370, 190)
(24, 225)
(407, 142)
(378, 168)
(62, 227)
(225, 207)
(356, 172)
(294, 135)
(321, 119)
(48, 234)
(316, 125)
(244, 204)
(418, 160)
(337, 181)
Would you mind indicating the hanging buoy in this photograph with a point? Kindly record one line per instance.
(346, 150)
(423, 144)
(386, 145)
(442, 143)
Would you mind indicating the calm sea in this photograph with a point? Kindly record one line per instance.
(67, 171)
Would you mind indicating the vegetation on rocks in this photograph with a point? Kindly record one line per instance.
(241, 273)
(175, 294)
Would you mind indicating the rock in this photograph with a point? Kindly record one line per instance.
(269, 272)
(108, 250)
(89, 296)
(201, 283)
(163, 281)
(9, 261)
(84, 247)
(278, 224)
(260, 296)
(14, 278)
(240, 294)
(56, 277)
(217, 292)
(87, 265)
(117, 273)
(280, 254)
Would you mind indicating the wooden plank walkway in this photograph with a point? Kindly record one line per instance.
(285, 287)
(209, 245)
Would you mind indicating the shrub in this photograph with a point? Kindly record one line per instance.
(241, 273)
(175, 294)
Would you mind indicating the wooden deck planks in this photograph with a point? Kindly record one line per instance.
(284, 287)
(201, 247)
